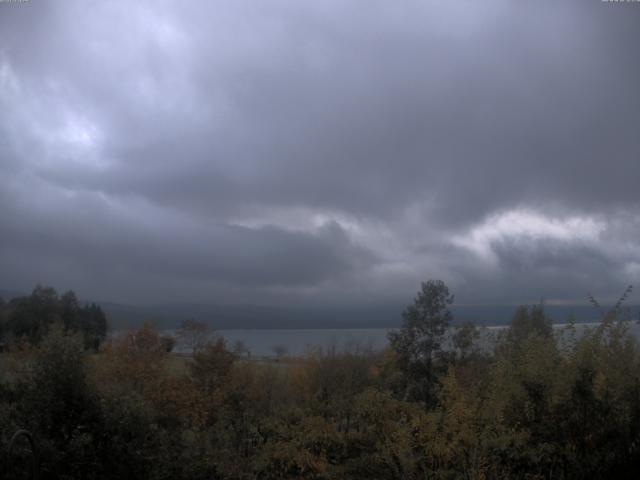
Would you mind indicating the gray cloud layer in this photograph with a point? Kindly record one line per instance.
(292, 152)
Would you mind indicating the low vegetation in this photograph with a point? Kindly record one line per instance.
(533, 407)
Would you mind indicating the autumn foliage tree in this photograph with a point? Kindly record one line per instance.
(211, 365)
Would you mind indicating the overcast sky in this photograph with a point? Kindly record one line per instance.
(320, 152)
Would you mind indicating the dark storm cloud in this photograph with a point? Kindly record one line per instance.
(350, 148)
(557, 269)
(107, 236)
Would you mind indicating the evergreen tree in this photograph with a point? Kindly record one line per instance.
(418, 344)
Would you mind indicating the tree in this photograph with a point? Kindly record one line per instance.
(89, 320)
(70, 311)
(464, 339)
(193, 334)
(135, 360)
(3, 319)
(529, 320)
(31, 316)
(93, 324)
(211, 365)
(418, 344)
(59, 404)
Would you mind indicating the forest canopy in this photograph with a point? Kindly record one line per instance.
(30, 317)
(540, 403)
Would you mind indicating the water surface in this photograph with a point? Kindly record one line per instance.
(296, 342)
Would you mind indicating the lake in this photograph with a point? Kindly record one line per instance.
(297, 342)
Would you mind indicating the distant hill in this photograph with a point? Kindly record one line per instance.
(9, 294)
(502, 314)
(220, 317)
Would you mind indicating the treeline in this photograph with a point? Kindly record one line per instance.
(29, 317)
(533, 407)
